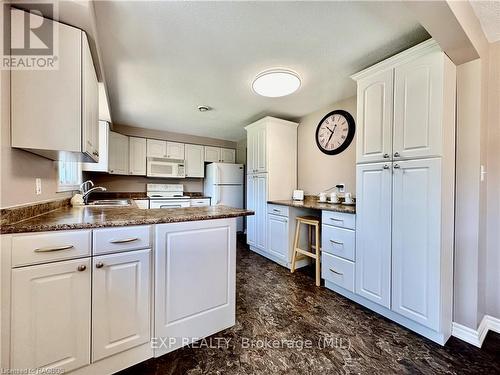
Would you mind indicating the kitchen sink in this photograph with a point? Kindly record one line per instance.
(111, 203)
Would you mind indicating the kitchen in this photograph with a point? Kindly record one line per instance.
(248, 195)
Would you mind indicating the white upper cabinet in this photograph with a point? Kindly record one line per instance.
(418, 107)
(175, 150)
(137, 156)
(118, 153)
(257, 149)
(156, 148)
(194, 160)
(406, 106)
(102, 165)
(373, 232)
(121, 302)
(228, 155)
(374, 118)
(416, 236)
(50, 322)
(61, 120)
(90, 97)
(212, 154)
(220, 155)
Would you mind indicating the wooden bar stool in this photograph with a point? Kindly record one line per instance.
(313, 223)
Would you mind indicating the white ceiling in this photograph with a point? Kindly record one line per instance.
(488, 13)
(163, 59)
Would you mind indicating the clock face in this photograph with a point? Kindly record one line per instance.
(335, 132)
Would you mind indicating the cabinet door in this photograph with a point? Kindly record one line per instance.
(374, 118)
(118, 153)
(251, 151)
(418, 107)
(260, 150)
(175, 150)
(51, 316)
(228, 155)
(251, 205)
(46, 105)
(416, 243)
(90, 103)
(102, 165)
(261, 211)
(194, 161)
(137, 156)
(156, 148)
(212, 154)
(121, 302)
(373, 232)
(277, 234)
(194, 280)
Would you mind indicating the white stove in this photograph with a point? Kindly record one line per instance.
(167, 196)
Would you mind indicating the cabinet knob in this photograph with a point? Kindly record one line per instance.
(99, 265)
(396, 154)
(82, 268)
(386, 156)
(386, 166)
(396, 166)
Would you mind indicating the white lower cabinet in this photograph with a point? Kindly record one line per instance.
(195, 271)
(373, 232)
(278, 234)
(257, 202)
(50, 325)
(121, 295)
(416, 236)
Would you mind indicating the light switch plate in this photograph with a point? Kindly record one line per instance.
(38, 184)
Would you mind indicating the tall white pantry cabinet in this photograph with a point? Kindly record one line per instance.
(271, 173)
(405, 189)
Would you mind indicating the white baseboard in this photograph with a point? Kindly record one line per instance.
(476, 337)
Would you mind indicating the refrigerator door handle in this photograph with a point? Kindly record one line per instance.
(217, 201)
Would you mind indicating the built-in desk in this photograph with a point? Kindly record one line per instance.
(314, 204)
(338, 225)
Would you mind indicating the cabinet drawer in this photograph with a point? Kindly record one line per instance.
(338, 241)
(199, 202)
(277, 209)
(49, 247)
(339, 219)
(111, 240)
(338, 271)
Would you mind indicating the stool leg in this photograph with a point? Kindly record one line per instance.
(295, 246)
(310, 233)
(318, 257)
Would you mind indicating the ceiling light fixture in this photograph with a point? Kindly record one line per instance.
(274, 83)
(204, 108)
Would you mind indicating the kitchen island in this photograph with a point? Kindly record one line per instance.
(98, 289)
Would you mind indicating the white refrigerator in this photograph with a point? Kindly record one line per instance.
(224, 185)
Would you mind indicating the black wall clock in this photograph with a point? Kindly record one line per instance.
(335, 132)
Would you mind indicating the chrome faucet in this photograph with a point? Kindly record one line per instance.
(85, 195)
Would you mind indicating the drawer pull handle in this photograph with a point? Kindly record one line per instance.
(49, 249)
(338, 273)
(125, 240)
(276, 210)
(336, 242)
(332, 218)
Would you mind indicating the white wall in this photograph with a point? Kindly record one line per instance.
(316, 170)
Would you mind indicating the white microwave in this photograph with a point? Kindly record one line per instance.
(167, 168)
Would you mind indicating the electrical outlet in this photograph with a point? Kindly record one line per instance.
(38, 184)
(341, 188)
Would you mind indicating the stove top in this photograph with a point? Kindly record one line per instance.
(165, 191)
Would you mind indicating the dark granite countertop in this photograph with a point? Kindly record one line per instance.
(68, 217)
(313, 203)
